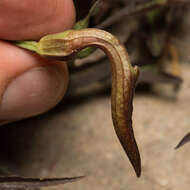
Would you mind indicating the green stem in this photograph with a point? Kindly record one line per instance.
(29, 45)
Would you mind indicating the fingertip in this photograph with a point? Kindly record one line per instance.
(32, 93)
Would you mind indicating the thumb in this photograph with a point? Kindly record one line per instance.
(29, 84)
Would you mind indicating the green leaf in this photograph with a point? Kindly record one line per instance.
(85, 21)
(85, 52)
(81, 24)
(95, 8)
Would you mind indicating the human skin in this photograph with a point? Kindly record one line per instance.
(29, 84)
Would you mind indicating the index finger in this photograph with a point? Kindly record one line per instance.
(32, 19)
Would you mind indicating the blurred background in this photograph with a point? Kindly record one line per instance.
(77, 137)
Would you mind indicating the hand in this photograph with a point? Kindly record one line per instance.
(29, 84)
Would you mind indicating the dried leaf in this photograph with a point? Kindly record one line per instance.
(185, 140)
(153, 77)
(17, 183)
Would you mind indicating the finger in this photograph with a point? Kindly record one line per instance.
(32, 19)
(29, 84)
